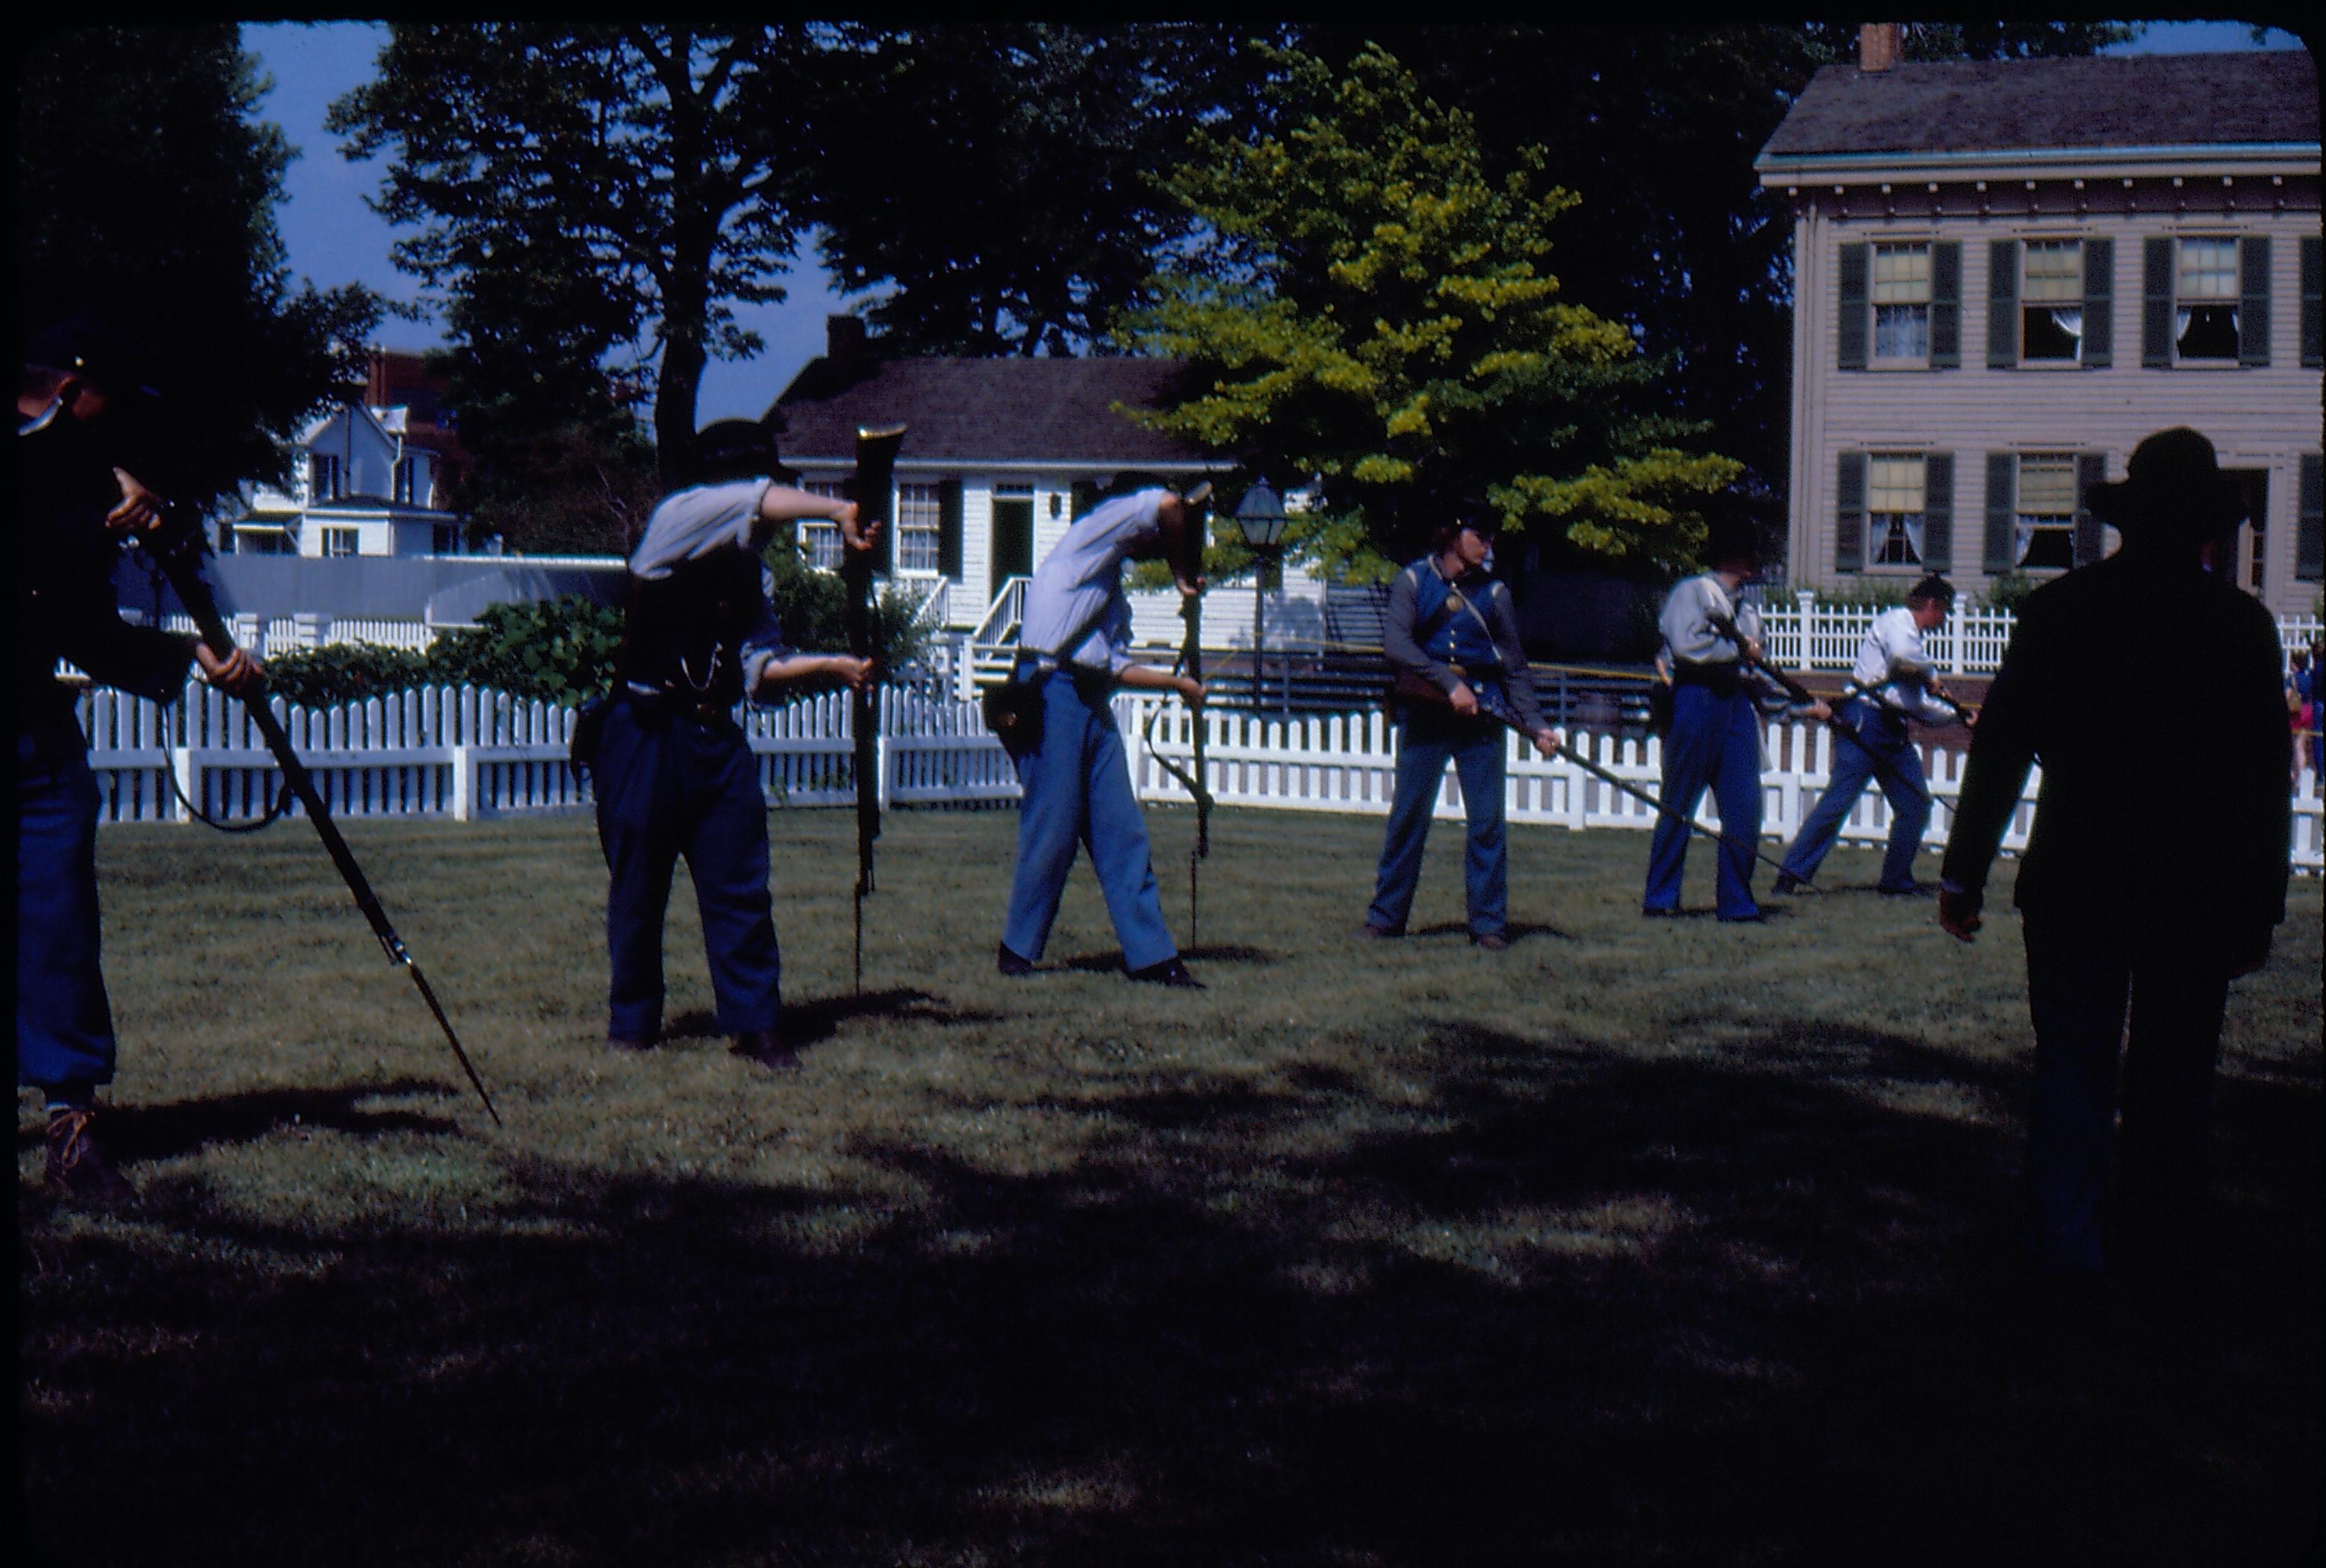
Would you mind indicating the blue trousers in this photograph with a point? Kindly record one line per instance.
(1426, 740)
(1078, 784)
(1715, 739)
(64, 1023)
(667, 787)
(2079, 985)
(1901, 776)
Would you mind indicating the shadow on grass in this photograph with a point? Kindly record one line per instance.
(1557, 1303)
(143, 1133)
(1517, 931)
(1109, 962)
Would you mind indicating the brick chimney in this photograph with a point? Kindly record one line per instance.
(843, 339)
(1877, 45)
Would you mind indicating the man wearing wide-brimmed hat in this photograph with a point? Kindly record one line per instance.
(2155, 872)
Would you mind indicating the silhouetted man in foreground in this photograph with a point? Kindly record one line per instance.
(2155, 872)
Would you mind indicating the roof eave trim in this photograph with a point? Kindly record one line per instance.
(1770, 165)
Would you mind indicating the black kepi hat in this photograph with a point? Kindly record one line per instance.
(740, 449)
(2173, 484)
(84, 345)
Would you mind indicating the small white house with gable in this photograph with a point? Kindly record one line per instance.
(361, 487)
(1000, 457)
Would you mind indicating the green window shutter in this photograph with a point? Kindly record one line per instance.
(2313, 265)
(2002, 303)
(1850, 513)
(949, 526)
(2001, 545)
(1938, 512)
(2156, 302)
(1946, 304)
(1857, 318)
(2099, 303)
(2252, 302)
(1083, 494)
(2091, 534)
(2310, 521)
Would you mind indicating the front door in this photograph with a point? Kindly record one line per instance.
(1013, 539)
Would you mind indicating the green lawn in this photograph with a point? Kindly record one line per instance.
(1642, 1242)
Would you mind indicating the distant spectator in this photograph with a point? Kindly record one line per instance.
(2303, 710)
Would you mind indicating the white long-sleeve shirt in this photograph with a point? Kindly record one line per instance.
(1686, 622)
(1076, 593)
(1893, 668)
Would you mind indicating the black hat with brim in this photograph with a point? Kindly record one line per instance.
(84, 345)
(740, 449)
(2173, 484)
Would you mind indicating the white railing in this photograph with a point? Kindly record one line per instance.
(1808, 634)
(467, 753)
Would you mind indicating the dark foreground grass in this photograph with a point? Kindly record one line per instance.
(1642, 1242)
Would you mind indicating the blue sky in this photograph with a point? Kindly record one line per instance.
(333, 237)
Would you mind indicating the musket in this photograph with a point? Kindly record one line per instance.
(876, 460)
(177, 551)
(1191, 660)
(1495, 710)
(1726, 627)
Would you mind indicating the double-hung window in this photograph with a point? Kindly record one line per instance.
(1894, 497)
(340, 541)
(1902, 303)
(2046, 530)
(2052, 300)
(323, 476)
(819, 538)
(919, 513)
(2205, 299)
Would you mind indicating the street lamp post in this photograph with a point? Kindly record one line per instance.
(1261, 518)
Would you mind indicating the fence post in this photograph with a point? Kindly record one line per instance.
(1805, 604)
(182, 766)
(310, 627)
(464, 783)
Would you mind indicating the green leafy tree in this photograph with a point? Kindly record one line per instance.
(583, 488)
(1655, 127)
(1371, 307)
(146, 192)
(586, 192)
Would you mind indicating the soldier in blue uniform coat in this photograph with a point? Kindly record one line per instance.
(75, 507)
(674, 774)
(1451, 628)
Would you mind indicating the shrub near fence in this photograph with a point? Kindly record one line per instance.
(467, 753)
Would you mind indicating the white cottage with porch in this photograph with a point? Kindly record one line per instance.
(1001, 456)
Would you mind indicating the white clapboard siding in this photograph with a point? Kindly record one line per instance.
(468, 754)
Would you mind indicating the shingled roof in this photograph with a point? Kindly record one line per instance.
(2143, 100)
(962, 410)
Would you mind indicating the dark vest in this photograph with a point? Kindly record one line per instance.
(682, 634)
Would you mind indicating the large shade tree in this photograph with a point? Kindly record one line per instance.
(145, 193)
(996, 181)
(1373, 308)
(592, 201)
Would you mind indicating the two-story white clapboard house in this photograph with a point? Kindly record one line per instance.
(2007, 273)
(1001, 454)
(367, 479)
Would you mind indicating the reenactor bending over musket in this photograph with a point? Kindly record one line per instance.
(1074, 651)
(673, 773)
(1716, 726)
(1894, 680)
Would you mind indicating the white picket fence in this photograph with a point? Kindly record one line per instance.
(469, 754)
(1809, 634)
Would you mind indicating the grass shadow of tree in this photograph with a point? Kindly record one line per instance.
(1556, 1305)
(136, 1132)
